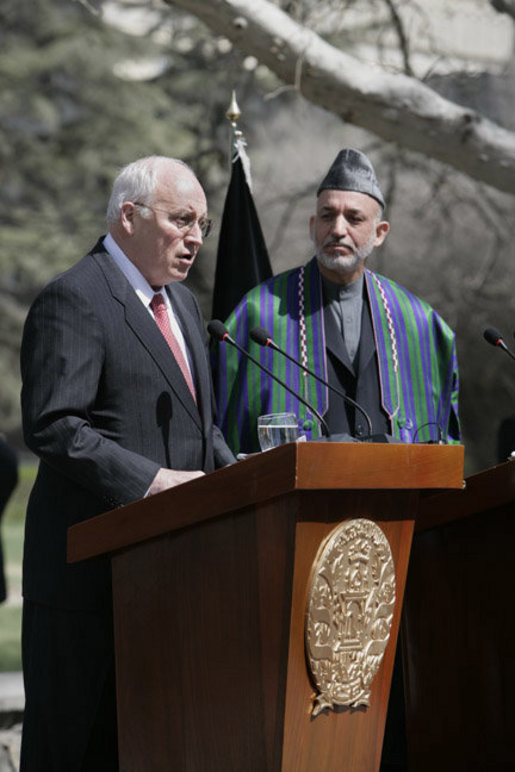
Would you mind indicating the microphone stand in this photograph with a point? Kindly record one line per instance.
(218, 330)
(261, 337)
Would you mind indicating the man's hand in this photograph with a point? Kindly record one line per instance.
(168, 478)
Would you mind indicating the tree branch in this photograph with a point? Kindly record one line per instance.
(396, 108)
(504, 6)
(403, 40)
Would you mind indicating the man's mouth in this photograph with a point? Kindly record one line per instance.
(340, 248)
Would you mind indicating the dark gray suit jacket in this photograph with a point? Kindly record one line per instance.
(104, 407)
(358, 380)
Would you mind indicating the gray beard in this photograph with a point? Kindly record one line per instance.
(345, 264)
(342, 264)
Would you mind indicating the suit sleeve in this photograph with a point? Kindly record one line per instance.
(62, 358)
(223, 454)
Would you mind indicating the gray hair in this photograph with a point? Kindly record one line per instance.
(137, 182)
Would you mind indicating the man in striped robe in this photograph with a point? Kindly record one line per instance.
(366, 335)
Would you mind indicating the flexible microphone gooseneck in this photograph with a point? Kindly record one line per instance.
(260, 336)
(495, 338)
(219, 331)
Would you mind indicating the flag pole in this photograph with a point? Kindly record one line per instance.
(233, 114)
(242, 258)
(238, 142)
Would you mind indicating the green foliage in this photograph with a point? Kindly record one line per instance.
(67, 124)
(12, 526)
(15, 511)
(10, 639)
(69, 121)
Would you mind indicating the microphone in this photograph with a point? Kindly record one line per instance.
(493, 336)
(219, 331)
(260, 336)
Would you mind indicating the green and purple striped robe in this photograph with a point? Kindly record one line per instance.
(418, 370)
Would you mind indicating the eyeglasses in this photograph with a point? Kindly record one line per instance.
(183, 221)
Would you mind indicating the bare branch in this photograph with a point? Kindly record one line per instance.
(403, 40)
(396, 108)
(504, 6)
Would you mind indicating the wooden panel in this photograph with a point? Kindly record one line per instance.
(349, 740)
(201, 626)
(458, 644)
(373, 466)
(275, 549)
(186, 637)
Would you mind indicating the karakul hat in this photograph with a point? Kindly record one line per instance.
(351, 170)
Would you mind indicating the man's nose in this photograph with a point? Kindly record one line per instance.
(340, 225)
(194, 234)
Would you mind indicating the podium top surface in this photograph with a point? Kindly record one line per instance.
(264, 476)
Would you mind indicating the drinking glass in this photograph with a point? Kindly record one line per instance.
(276, 429)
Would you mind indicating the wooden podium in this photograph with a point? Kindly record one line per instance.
(210, 585)
(458, 629)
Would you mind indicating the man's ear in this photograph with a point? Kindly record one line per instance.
(127, 213)
(382, 229)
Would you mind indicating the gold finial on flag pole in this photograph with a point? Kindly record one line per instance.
(238, 140)
(232, 115)
(233, 111)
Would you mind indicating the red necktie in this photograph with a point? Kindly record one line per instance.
(160, 310)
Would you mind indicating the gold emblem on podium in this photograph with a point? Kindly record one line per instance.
(349, 613)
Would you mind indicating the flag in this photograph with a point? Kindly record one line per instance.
(242, 259)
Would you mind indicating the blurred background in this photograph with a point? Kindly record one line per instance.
(88, 86)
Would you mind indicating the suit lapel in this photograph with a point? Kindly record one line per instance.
(366, 343)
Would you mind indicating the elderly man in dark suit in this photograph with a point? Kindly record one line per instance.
(117, 404)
